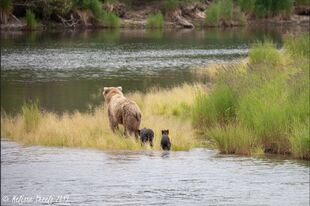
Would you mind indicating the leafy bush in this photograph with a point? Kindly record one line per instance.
(213, 14)
(155, 20)
(31, 20)
(220, 10)
(171, 5)
(111, 20)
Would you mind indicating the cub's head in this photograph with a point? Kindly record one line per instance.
(109, 92)
(165, 132)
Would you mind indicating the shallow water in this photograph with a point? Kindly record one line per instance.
(67, 70)
(197, 177)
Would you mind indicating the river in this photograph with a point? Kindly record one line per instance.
(197, 177)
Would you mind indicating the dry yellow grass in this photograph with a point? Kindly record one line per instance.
(161, 109)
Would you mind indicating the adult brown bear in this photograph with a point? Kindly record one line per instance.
(122, 111)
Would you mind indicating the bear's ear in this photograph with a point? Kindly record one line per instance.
(120, 88)
(105, 89)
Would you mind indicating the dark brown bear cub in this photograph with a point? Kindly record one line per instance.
(146, 135)
(165, 140)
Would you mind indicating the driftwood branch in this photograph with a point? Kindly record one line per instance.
(72, 22)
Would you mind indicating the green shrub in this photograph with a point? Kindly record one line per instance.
(266, 8)
(155, 20)
(31, 115)
(213, 14)
(246, 5)
(30, 18)
(264, 53)
(226, 9)
(219, 10)
(171, 5)
(94, 5)
(111, 20)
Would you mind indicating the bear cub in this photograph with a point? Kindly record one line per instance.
(146, 135)
(165, 140)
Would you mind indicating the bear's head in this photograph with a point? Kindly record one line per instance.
(165, 132)
(109, 92)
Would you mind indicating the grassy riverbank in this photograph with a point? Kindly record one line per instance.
(262, 105)
(161, 109)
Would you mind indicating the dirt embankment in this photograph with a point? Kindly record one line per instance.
(135, 16)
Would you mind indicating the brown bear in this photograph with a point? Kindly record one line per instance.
(122, 111)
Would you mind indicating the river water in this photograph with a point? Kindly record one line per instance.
(198, 177)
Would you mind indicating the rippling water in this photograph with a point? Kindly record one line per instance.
(196, 177)
(67, 70)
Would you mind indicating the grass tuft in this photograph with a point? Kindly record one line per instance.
(155, 21)
(31, 20)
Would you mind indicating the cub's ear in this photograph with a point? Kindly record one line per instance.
(139, 131)
(120, 88)
(162, 132)
(167, 131)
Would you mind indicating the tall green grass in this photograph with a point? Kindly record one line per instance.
(30, 19)
(234, 139)
(155, 20)
(264, 53)
(31, 115)
(267, 8)
(222, 11)
(266, 99)
(111, 20)
(171, 5)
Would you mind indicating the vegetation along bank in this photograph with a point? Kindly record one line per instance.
(71, 14)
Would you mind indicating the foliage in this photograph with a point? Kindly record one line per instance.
(155, 20)
(31, 115)
(267, 99)
(30, 18)
(222, 10)
(267, 8)
(110, 19)
(6, 6)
